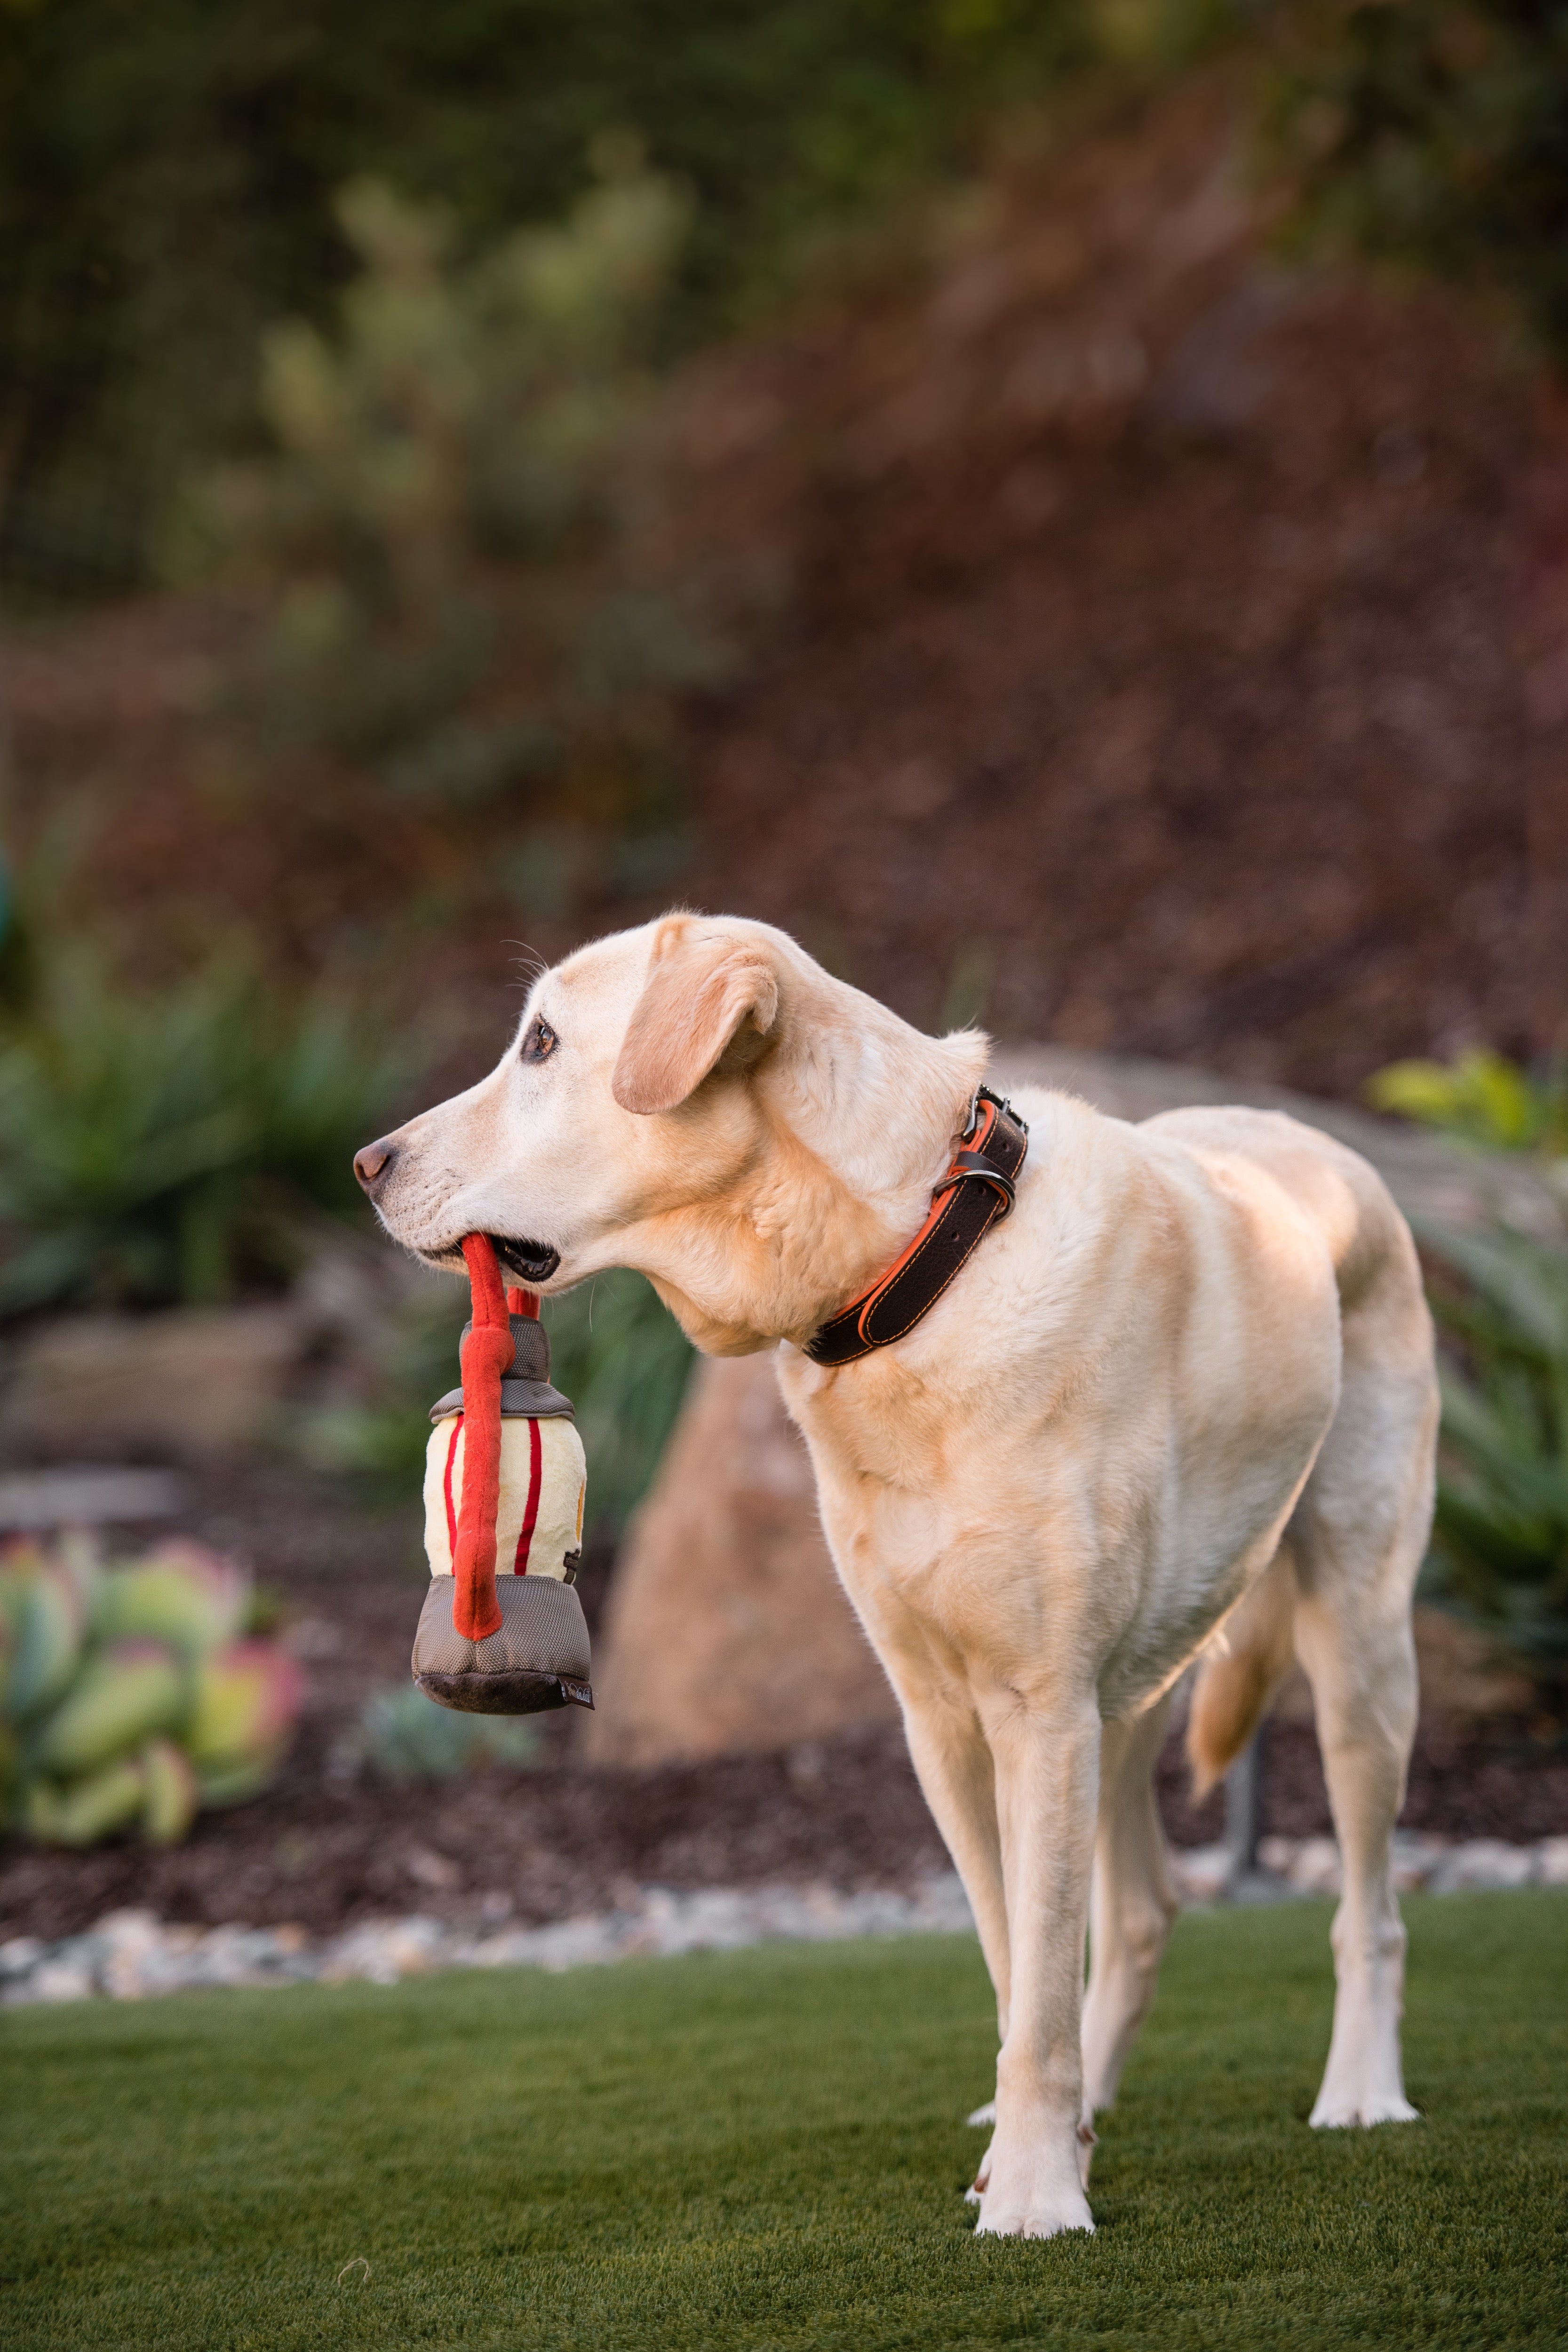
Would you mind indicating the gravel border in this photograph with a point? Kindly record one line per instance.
(130, 1954)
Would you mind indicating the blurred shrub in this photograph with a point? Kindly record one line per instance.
(1500, 1550)
(166, 174)
(1433, 132)
(623, 1360)
(157, 1146)
(451, 540)
(1482, 1097)
(614, 1351)
(407, 1737)
(1500, 1538)
(127, 1698)
(17, 959)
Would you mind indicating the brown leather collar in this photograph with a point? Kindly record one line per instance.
(975, 1193)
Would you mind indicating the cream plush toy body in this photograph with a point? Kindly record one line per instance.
(502, 1630)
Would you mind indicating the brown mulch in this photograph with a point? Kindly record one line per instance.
(1182, 641)
(333, 1841)
(323, 1850)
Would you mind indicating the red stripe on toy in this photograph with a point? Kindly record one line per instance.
(535, 1479)
(486, 1354)
(447, 1488)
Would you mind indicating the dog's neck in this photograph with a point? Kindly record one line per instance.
(856, 1116)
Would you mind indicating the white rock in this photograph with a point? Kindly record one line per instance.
(1315, 1869)
(1415, 1858)
(61, 1981)
(1482, 1863)
(585, 1942)
(1202, 1872)
(1550, 1864)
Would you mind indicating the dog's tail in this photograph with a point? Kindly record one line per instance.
(1241, 1674)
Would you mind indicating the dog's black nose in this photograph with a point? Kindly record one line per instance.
(372, 1163)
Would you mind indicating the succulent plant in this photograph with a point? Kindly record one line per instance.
(181, 1594)
(407, 1737)
(44, 1612)
(127, 1698)
(247, 1697)
(124, 1692)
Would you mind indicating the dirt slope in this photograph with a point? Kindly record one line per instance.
(1161, 639)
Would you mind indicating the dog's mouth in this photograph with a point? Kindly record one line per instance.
(532, 1262)
(529, 1262)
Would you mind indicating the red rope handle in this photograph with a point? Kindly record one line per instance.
(486, 1354)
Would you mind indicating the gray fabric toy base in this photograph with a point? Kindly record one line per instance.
(520, 1401)
(539, 1659)
(525, 1391)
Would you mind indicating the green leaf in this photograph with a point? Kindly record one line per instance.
(85, 1810)
(124, 1693)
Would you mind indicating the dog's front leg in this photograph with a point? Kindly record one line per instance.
(953, 1765)
(1047, 1763)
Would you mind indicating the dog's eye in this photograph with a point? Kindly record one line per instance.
(539, 1043)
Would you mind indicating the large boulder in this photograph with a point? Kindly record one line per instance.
(727, 1627)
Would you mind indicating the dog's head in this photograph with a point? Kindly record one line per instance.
(699, 1100)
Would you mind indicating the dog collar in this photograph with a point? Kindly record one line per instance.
(975, 1192)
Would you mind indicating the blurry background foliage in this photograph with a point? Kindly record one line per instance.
(1432, 133)
(453, 536)
(167, 176)
(407, 1737)
(614, 1351)
(1482, 1097)
(130, 1697)
(169, 1145)
(1499, 1553)
(184, 1142)
(1499, 1548)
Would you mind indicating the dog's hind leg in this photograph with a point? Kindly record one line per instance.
(1131, 1904)
(1359, 1533)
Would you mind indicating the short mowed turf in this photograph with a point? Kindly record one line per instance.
(768, 2149)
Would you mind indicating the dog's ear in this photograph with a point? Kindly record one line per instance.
(708, 1000)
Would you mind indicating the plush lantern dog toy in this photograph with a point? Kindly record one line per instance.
(502, 1630)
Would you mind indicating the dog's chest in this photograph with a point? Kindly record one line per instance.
(912, 1482)
(876, 1425)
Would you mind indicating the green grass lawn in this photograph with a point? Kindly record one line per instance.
(768, 2149)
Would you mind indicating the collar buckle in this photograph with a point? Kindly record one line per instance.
(1002, 1107)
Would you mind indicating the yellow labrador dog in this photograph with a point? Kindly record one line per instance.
(1180, 1405)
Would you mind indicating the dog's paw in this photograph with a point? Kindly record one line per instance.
(982, 2116)
(1040, 2217)
(1029, 2193)
(1335, 2113)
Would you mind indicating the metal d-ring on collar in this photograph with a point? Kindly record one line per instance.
(977, 1191)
